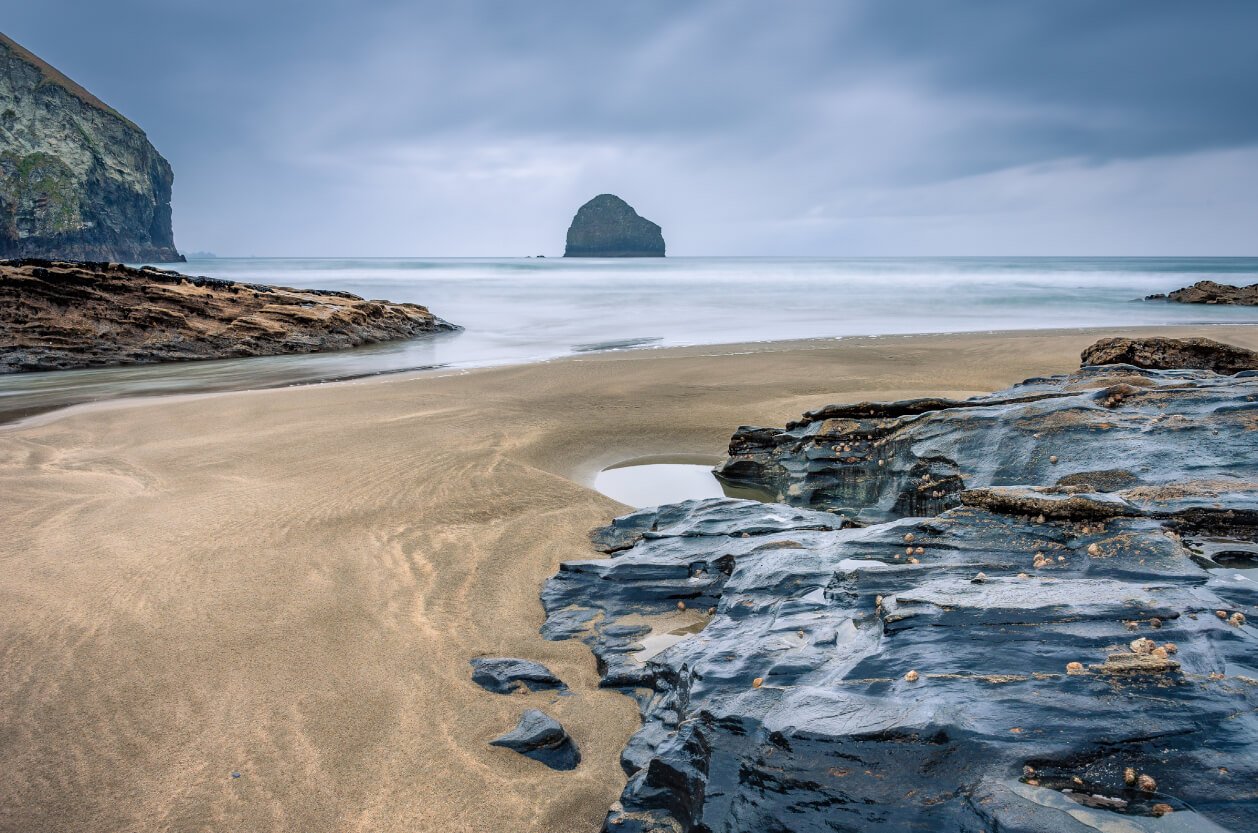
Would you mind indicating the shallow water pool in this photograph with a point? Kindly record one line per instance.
(654, 484)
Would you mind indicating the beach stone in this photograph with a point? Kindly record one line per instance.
(504, 675)
(540, 737)
(607, 226)
(1171, 353)
(1025, 675)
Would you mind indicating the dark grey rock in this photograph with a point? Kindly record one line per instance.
(503, 675)
(792, 706)
(607, 226)
(541, 738)
(1171, 353)
(1096, 428)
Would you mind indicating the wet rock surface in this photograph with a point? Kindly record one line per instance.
(1065, 647)
(1210, 292)
(1171, 354)
(1118, 429)
(540, 737)
(504, 675)
(607, 226)
(57, 315)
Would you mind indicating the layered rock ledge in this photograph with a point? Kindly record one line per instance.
(1045, 628)
(59, 315)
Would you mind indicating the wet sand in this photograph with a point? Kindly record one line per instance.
(288, 584)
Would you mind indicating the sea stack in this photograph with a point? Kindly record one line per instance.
(78, 181)
(607, 226)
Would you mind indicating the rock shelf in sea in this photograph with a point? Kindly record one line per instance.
(1044, 627)
(58, 315)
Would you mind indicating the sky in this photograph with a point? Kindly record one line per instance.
(835, 127)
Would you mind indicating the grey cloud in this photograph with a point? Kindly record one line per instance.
(389, 127)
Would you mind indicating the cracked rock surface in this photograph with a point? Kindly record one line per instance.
(1045, 647)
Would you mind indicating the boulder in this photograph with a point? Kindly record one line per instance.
(57, 316)
(1064, 647)
(504, 675)
(78, 180)
(542, 738)
(1209, 292)
(607, 226)
(1171, 353)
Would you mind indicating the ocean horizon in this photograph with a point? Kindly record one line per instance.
(528, 309)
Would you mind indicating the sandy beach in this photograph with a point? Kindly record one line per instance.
(288, 584)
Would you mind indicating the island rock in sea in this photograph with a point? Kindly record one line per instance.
(78, 181)
(58, 316)
(607, 226)
(1044, 626)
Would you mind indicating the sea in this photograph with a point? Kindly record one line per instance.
(518, 310)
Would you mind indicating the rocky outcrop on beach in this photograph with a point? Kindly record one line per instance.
(607, 226)
(542, 738)
(58, 315)
(78, 181)
(1106, 427)
(1209, 292)
(1170, 353)
(1046, 627)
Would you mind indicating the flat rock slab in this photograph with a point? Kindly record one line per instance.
(58, 316)
(542, 738)
(504, 675)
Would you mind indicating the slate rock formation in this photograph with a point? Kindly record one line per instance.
(1169, 353)
(1099, 426)
(504, 675)
(78, 181)
(57, 316)
(1059, 639)
(607, 226)
(540, 737)
(1209, 292)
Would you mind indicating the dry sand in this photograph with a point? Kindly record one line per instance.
(289, 584)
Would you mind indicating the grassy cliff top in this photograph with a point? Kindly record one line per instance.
(51, 75)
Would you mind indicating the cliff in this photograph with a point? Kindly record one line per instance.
(58, 316)
(77, 180)
(607, 226)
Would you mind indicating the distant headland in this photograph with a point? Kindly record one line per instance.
(607, 226)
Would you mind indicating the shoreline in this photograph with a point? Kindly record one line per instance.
(288, 583)
(19, 416)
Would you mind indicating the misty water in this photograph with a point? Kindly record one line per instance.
(517, 310)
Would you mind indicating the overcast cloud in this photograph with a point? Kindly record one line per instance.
(886, 127)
